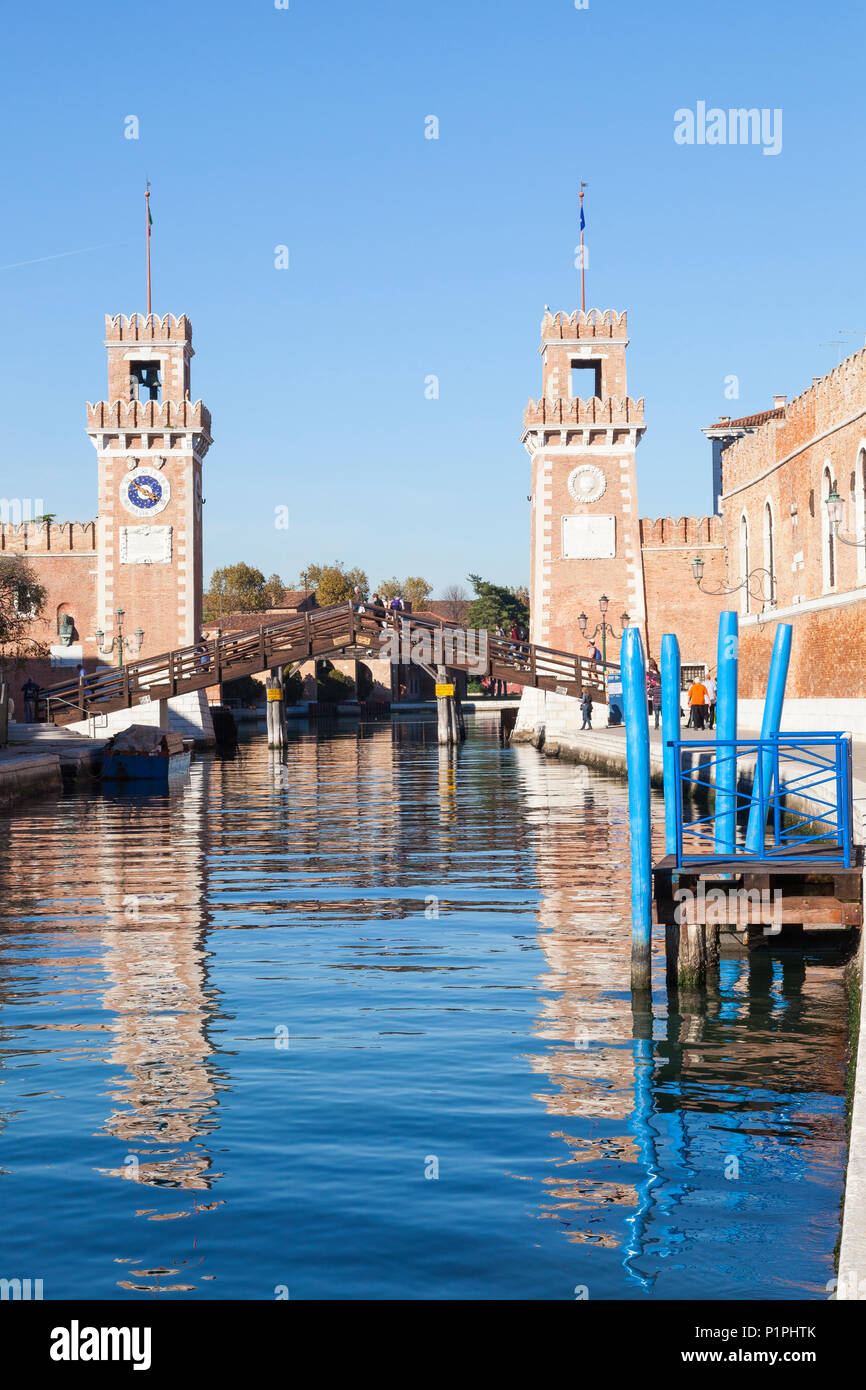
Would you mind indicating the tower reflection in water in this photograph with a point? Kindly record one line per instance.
(143, 930)
(446, 934)
(700, 1108)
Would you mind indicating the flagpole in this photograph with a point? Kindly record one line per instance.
(147, 216)
(582, 269)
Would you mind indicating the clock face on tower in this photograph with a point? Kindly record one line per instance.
(145, 492)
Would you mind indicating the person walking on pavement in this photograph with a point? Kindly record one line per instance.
(586, 710)
(698, 700)
(711, 701)
(654, 684)
(30, 694)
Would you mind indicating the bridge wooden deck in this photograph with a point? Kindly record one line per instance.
(346, 630)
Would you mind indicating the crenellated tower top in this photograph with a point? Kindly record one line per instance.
(147, 328)
(592, 324)
(148, 357)
(584, 370)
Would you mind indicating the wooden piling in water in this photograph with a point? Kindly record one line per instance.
(686, 954)
(276, 726)
(451, 726)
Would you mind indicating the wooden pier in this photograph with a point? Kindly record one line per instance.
(751, 905)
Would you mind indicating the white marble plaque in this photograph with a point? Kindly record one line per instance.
(588, 537)
(73, 655)
(145, 545)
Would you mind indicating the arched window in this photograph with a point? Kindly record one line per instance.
(828, 540)
(745, 565)
(769, 554)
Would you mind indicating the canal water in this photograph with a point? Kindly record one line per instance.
(355, 1022)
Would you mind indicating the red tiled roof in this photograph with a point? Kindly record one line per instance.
(749, 422)
(445, 608)
(293, 598)
(244, 622)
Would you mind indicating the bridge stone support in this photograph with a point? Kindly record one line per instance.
(187, 714)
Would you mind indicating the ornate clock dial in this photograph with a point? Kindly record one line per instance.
(145, 492)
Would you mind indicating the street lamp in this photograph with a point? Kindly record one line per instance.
(753, 581)
(132, 644)
(835, 511)
(604, 626)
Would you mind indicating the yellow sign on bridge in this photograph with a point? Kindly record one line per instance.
(443, 690)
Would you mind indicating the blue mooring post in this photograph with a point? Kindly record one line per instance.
(637, 752)
(670, 730)
(769, 726)
(726, 728)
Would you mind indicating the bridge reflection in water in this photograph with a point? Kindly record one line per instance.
(242, 1019)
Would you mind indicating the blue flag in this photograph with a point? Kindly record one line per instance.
(582, 218)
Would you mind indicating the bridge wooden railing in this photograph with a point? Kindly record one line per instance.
(344, 629)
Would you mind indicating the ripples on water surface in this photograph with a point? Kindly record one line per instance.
(236, 1036)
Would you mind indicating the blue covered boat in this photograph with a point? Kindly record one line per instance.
(142, 754)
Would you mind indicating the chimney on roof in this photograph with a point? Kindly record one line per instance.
(779, 402)
(724, 419)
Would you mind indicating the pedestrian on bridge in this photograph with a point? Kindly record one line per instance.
(498, 686)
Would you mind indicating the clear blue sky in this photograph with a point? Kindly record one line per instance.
(411, 257)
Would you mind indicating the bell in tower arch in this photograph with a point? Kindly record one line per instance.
(150, 380)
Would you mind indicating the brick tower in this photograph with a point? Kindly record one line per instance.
(150, 440)
(582, 435)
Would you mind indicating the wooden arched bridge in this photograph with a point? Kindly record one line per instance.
(346, 630)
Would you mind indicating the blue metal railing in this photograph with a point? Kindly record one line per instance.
(815, 768)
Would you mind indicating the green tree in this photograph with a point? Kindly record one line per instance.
(389, 587)
(293, 686)
(22, 598)
(334, 583)
(417, 591)
(273, 590)
(495, 604)
(244, 688)
(332, 685)
(414, 590)
(235, 589)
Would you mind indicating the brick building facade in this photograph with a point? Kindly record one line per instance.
(776, 472)
(143, 552)
(772, 543)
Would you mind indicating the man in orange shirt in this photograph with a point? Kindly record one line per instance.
(698, 699)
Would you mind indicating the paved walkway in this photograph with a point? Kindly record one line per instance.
(35, 756)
